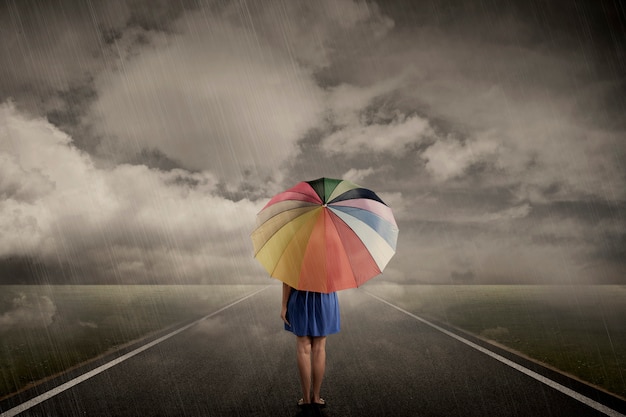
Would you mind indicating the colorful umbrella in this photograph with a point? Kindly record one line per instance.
(325, 235)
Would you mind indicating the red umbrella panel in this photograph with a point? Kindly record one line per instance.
(325, 235)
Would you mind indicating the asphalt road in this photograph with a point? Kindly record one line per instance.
(241, 362)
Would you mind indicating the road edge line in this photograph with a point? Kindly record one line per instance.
(547, 381)
(75, 381)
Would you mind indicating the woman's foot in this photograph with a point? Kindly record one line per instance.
(319, 402)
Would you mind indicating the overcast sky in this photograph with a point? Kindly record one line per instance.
(138, 139)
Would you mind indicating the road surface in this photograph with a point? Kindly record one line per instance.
(240, 362)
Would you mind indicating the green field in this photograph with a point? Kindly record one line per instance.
(45, 330)
(579, 330)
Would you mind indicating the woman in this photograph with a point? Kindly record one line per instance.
(311, 316)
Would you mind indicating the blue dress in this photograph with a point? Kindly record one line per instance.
(312, 313)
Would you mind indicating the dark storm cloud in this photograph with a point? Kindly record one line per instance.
(493, 129)
(592, 211)
(604, 230)
(27, 270)
(594, 28)
(591, 34)
(53, 51)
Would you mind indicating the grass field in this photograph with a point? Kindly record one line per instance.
(580, 330)
(48, 329)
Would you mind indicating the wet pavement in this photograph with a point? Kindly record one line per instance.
(241, 362)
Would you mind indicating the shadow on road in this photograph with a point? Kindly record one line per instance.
(310, 411)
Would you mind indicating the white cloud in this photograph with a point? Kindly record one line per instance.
(233, 90)
(513, 105)
(18, 184)
(347, 101)
(213, 98)
(367, 121)
(129, 223)
(496, 252)
(505, 215)
(397, 202)
(510, 213)
(356, 175)
(449, 158)
(390, 138)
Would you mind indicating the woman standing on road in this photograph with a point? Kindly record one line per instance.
(311, 316)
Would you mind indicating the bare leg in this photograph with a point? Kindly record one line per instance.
(303, 348)
(318, 356)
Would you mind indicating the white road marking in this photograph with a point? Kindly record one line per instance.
(569, 392)
(63, 387)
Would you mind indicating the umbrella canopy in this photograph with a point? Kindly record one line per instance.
(325, 235)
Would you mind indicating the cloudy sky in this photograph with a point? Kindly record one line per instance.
(138, 139)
